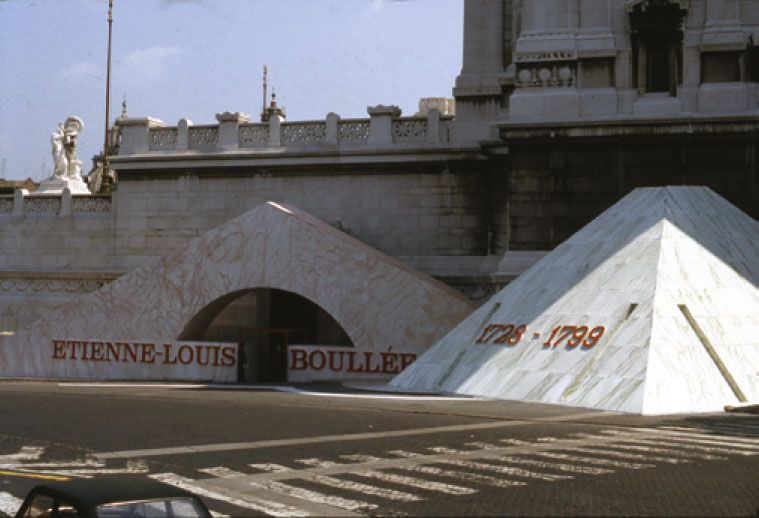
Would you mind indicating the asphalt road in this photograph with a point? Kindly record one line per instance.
(328, 450)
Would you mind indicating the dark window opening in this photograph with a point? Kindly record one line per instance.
(720, 67)
(657, 65)
(657, 38)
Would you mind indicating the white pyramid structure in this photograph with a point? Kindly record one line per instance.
(658, 298)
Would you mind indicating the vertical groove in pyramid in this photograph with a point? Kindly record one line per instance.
(656, 248)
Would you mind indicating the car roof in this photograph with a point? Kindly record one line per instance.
(95, 492)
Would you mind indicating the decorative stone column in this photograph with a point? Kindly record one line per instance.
(183, 134)
(229, 123)
(19, 204)
(66, 208)
(331, 134)
(381, 124)
(135, 134)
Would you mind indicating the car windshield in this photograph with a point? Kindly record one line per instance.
(164, 508)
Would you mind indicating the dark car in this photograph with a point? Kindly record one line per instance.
(111, 498)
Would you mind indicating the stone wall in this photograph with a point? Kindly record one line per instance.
(438, 211)
(54, 248)
(563, 176)
(51, 255)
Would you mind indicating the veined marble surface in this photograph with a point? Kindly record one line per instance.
(378, 301)
(629, 271)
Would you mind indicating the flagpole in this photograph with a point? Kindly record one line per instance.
(106, 167)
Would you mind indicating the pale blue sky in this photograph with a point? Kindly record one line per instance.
(194, 58)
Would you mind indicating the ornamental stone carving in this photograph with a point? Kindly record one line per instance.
(358, 130)
(254, 134)
(163, 138)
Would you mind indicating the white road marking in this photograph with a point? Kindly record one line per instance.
(734, 449)
(647, 448)
(483, 445)
(714, 440)
(570, 468)
(243, 501)
(132, 467)
(427, 485)
(405, 454)
(505, 470)
(278, 388)
(88, 462)
(137, 385)
(314, 496)
(366, 489)
(607, 450)
(687, 432)
(270, 468)
(690, 446)
(739, 428)
(447, 451)
(468, 476)
(591, 460)
(9, 504)
(361, 458)
(516, 442)
(207, 448)
(26, 453)
(318, 463)
(221, 472)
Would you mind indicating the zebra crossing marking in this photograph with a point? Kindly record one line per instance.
(314, 496)
(470, 477)
(270, 468)
(25, 453)
(594, 460)
(652, 449)
(750, 443)
(697, 438)
(9, 504)
(418, 483)
(506, 470)
(570, 468)
(608, 450)
(241, 500)
(405, 454)
(221, 472)
(588, 454)
(350, 485)
(688, 446)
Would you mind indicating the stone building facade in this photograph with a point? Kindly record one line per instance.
(562, 108)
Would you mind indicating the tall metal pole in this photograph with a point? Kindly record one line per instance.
(264, 118)
(106, 168)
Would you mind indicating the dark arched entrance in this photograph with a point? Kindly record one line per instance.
(264, 322)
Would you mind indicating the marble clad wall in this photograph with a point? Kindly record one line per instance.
(377, 300)
(628, 271)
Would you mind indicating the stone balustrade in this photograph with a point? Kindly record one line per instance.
(234, 132)
(24, 204)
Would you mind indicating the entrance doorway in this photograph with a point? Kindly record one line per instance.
(262, 354)
(264, 322)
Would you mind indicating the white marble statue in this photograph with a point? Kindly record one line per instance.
(67, 168)
(60, 162)
(71, 131)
